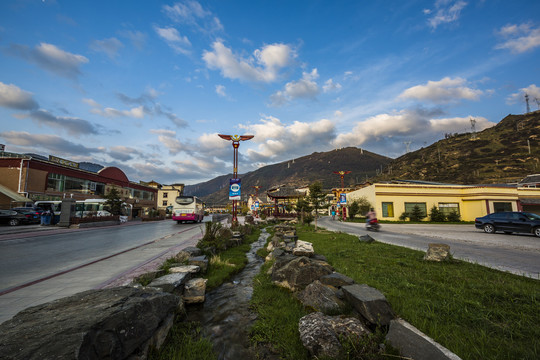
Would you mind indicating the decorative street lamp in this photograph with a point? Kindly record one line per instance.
(342, 175)
(235, 143)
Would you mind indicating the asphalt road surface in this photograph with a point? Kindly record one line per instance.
(519, 254)
(44, 265)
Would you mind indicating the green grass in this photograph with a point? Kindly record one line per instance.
(278, 314)
(476, 312)
(220, 271)
(184, 342)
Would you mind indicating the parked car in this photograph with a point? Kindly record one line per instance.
(509, 222)
(32, 216)
(11, 217)
(37, 210)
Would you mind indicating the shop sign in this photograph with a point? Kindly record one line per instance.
(343, 198)
(64, 162)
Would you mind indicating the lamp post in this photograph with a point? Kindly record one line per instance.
(236, 144)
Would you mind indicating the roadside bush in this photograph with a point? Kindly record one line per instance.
(436, 215)
(416, 214)
(308, 218)
(453, 217)
(404, 216)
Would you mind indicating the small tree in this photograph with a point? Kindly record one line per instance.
(354, 209)
(114, 202)
(404, 215)
(302, 206)
(416, 214)
(435, 215)
(316, 196)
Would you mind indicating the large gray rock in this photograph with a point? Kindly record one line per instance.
(300, 272)
(193, 269)
(321, 298)
(172, 283)
(337, 280)
(437, 252)
(370, 303)
(303, 248)
(194, 291)
(114, 323)
(414, 344)
(321, 334)
(200, 261)
(188, 252)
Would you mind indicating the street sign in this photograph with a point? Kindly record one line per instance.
(234, 189)
(343, 198)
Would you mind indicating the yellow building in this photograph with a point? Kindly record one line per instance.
(167, 194)
(390, 200)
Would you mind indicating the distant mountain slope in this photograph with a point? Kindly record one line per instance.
(298, 172)
(506, 152)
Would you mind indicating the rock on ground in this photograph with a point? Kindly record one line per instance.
(97, 324)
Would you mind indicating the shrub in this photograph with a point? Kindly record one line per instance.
(453, 217)
(436, 215)
(404, 216)
(416, 214)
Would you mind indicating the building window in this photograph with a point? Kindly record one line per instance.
(387, 209)
(502, 206)
(410, 206)
(448, 208)
(164, 202)
(165, 195)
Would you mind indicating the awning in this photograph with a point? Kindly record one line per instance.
(13, 195)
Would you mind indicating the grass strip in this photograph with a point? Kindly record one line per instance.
(475, 311)
(276, 328)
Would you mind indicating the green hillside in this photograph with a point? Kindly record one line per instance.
(504, 153)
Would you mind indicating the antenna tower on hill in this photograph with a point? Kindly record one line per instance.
(537, 102)
(407, 146)
(473, 129)
(527, 101)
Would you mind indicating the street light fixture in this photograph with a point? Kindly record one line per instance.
(236, 144)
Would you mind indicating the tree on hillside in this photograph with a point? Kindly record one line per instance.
(316, 196)
(114, 202)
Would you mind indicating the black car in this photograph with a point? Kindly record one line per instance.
(509, 222)
(11, 217)
(32, 216)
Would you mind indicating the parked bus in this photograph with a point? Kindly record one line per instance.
(83, 208)
(187, 208)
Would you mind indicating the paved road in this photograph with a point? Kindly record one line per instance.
(44, 265)
(519, 254)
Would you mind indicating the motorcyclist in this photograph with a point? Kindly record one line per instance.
(370, 215)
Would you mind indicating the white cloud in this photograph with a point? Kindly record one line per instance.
(52, 144)
(446, 11)
(306, 88)
(173, 38)
(330, 85)
(385, 131)
(169, 140)
(136, 112)
(281, 141)
(51, 58)
(109, 46)
(532, 90)
(446, 90)
(138, 39)
(220, 90)
(519, 38)
(192, 13)
(263, 66)
(73, 126)
(11, 96)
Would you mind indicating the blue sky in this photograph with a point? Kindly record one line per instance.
(148, 85)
